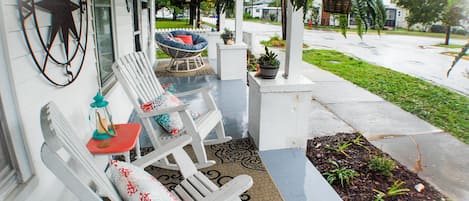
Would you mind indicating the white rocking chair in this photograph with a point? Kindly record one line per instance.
(65, 155)
(140, 83)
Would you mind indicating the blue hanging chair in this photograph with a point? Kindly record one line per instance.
(184, 57)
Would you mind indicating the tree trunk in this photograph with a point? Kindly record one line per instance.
(174, 14)
(192, 10)
(448, 33)
(198, 14)
(284, 19)
(218, 18)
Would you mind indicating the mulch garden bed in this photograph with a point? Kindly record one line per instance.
(322, 151)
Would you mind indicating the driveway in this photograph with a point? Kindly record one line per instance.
(407, 54)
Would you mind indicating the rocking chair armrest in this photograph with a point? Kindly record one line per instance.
(162, 111)
(163, 151)
(187, 93)
(231, 190)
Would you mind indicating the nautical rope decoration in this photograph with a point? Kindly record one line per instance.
(58, 45)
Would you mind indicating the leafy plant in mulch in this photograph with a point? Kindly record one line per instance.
(381, 181)
(394, 190)
(343, 175)
(340, 148)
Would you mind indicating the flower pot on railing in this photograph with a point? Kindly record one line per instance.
(337, 6)
(269, 64)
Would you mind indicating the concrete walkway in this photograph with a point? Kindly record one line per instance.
(344, 107)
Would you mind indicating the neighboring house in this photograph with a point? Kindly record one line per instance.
(395, 16)
(255, 8)
(116, 28)
(272, 14)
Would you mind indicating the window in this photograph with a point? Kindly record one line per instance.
(7, 172)
(104, 40)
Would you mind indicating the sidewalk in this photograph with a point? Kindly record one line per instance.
(343, 106)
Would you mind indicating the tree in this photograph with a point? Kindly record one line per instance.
(452, 15)
(222, 6)
(425, 12)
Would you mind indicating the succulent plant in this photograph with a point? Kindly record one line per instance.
(227, 34)
(269, 59)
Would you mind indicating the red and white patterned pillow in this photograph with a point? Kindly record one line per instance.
(171, 122)
(135, 184)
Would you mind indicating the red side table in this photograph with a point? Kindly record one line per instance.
(121, 144)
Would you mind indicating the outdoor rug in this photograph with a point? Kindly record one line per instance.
(162, 72)
(233, 158)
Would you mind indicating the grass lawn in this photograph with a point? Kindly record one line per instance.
(436, 105)
(168, 23)
(449, 46)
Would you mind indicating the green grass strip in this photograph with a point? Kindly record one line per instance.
(169, 23)
(434, 104)
(449, 46)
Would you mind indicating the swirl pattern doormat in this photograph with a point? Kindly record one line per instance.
(233, 158)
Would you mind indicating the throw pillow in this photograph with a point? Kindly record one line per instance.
(171, 122)
(134, 184)
(186, 38)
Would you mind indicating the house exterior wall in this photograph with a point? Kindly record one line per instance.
(33, 91)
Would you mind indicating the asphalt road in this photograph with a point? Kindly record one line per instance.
(407, 54)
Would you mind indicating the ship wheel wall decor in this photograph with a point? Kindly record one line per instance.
(58, 48)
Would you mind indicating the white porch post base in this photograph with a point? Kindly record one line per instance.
(213, 38)
(279, 111)
(231, 61)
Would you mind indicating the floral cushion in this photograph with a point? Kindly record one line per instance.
(134, 184)
(171, 122)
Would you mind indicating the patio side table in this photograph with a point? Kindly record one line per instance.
(121, 144)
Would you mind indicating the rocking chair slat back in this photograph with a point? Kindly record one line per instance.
(139, 79)
(77, 167)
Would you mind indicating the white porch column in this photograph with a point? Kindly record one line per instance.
(294, 51)
(222, 21)
(151, 51)
(239, 21)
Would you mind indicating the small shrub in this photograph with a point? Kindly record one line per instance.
(392, 191)
(383, 165)
(343, 175)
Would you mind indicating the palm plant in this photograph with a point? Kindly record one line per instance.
(457, 58)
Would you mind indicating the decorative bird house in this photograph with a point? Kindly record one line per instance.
(101, 119)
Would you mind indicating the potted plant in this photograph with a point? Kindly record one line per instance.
(227, 37)
(269, 64)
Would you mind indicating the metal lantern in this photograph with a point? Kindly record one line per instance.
(101, 119)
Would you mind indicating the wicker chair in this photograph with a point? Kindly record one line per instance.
(184, 57)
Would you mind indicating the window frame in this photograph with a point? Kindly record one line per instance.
(12, 128)
(109, 82)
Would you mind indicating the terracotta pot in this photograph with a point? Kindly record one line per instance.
(228, 41)
(269, 72)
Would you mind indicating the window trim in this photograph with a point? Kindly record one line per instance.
(109, 83)
(11, 123)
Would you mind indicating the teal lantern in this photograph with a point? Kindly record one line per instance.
(101, 119)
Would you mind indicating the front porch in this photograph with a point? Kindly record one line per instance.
(291, 172)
